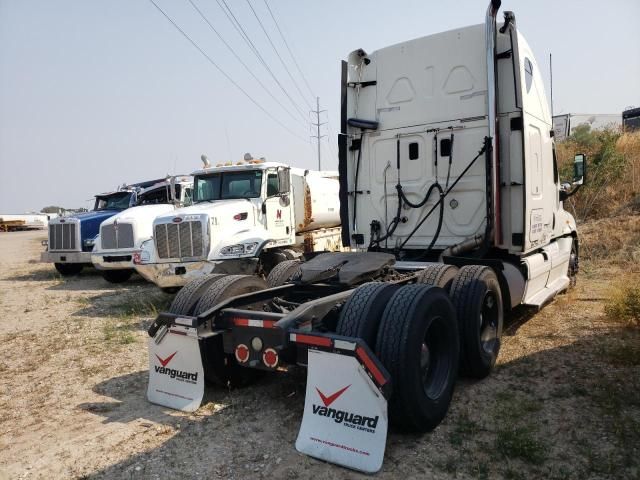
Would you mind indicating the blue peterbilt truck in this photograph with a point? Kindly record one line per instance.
(71, 239)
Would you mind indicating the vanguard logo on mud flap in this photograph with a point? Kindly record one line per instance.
(172, 373)
(348, 419)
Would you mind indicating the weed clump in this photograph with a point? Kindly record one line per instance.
(521, 442)
(624, 304)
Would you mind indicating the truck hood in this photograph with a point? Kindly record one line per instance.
(140, 214)
(95, 216)
(89, 222)
(141, 219)
(222, 209)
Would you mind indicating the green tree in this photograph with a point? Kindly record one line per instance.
(583, 135)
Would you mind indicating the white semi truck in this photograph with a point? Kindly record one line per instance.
(246, 218)
(121, 236)
(452, 205)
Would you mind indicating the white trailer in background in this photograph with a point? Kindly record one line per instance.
(452, 208)
(246, 218)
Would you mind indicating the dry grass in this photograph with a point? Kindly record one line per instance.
(624, 301)
(613, 173)
(613, 241)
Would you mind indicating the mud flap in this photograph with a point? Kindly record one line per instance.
(176, 374)
(345, 412)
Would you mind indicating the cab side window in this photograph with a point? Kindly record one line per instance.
(188, 197)
(272, 184)
(528, 73)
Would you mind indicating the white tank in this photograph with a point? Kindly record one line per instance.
(316, 202)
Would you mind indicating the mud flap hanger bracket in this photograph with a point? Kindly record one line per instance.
(353, 347)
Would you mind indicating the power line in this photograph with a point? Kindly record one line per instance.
(289, 49)
(331, 138)
(225, 73)
(240, 60)
(238, 26)
(295, 84)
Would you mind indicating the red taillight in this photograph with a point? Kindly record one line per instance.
(242, 353)
(240, 216)
(270, 358)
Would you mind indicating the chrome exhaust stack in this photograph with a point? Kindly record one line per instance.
(492, 90)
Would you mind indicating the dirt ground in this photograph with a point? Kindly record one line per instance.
(564, 401)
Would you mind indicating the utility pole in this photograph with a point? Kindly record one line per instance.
(317, 136)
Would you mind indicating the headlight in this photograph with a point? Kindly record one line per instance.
(250, 247)
(89, 242)
(240, 249)
(232, 250)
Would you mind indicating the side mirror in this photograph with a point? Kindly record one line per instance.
(579, 177)
(284, 181)
(580, 168)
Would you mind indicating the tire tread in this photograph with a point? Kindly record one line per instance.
(187, 298)
(362, 308)
(439, 275)
(283, 272)
(465, 290)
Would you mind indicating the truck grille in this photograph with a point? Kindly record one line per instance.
(179, 240)
(120, 236)
(62, 236)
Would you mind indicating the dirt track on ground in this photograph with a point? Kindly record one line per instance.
(564, 401)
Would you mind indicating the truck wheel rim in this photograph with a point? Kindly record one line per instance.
(573, 261)
(434, 361)
(489, 323)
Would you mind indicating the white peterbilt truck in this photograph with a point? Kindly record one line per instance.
(246, 218)
(450, 198)
(121, 236)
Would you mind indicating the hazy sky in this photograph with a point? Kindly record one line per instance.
(97, 93)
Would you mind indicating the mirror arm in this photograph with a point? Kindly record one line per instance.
(564, 195)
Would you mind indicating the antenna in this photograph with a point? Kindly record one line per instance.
(317, 125)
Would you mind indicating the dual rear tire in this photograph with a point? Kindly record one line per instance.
(424, 336)
(414, 333)
(477, 298)
(202, 294)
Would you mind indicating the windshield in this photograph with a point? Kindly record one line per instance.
(227, 185)
(116, 201)
(158, 196)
